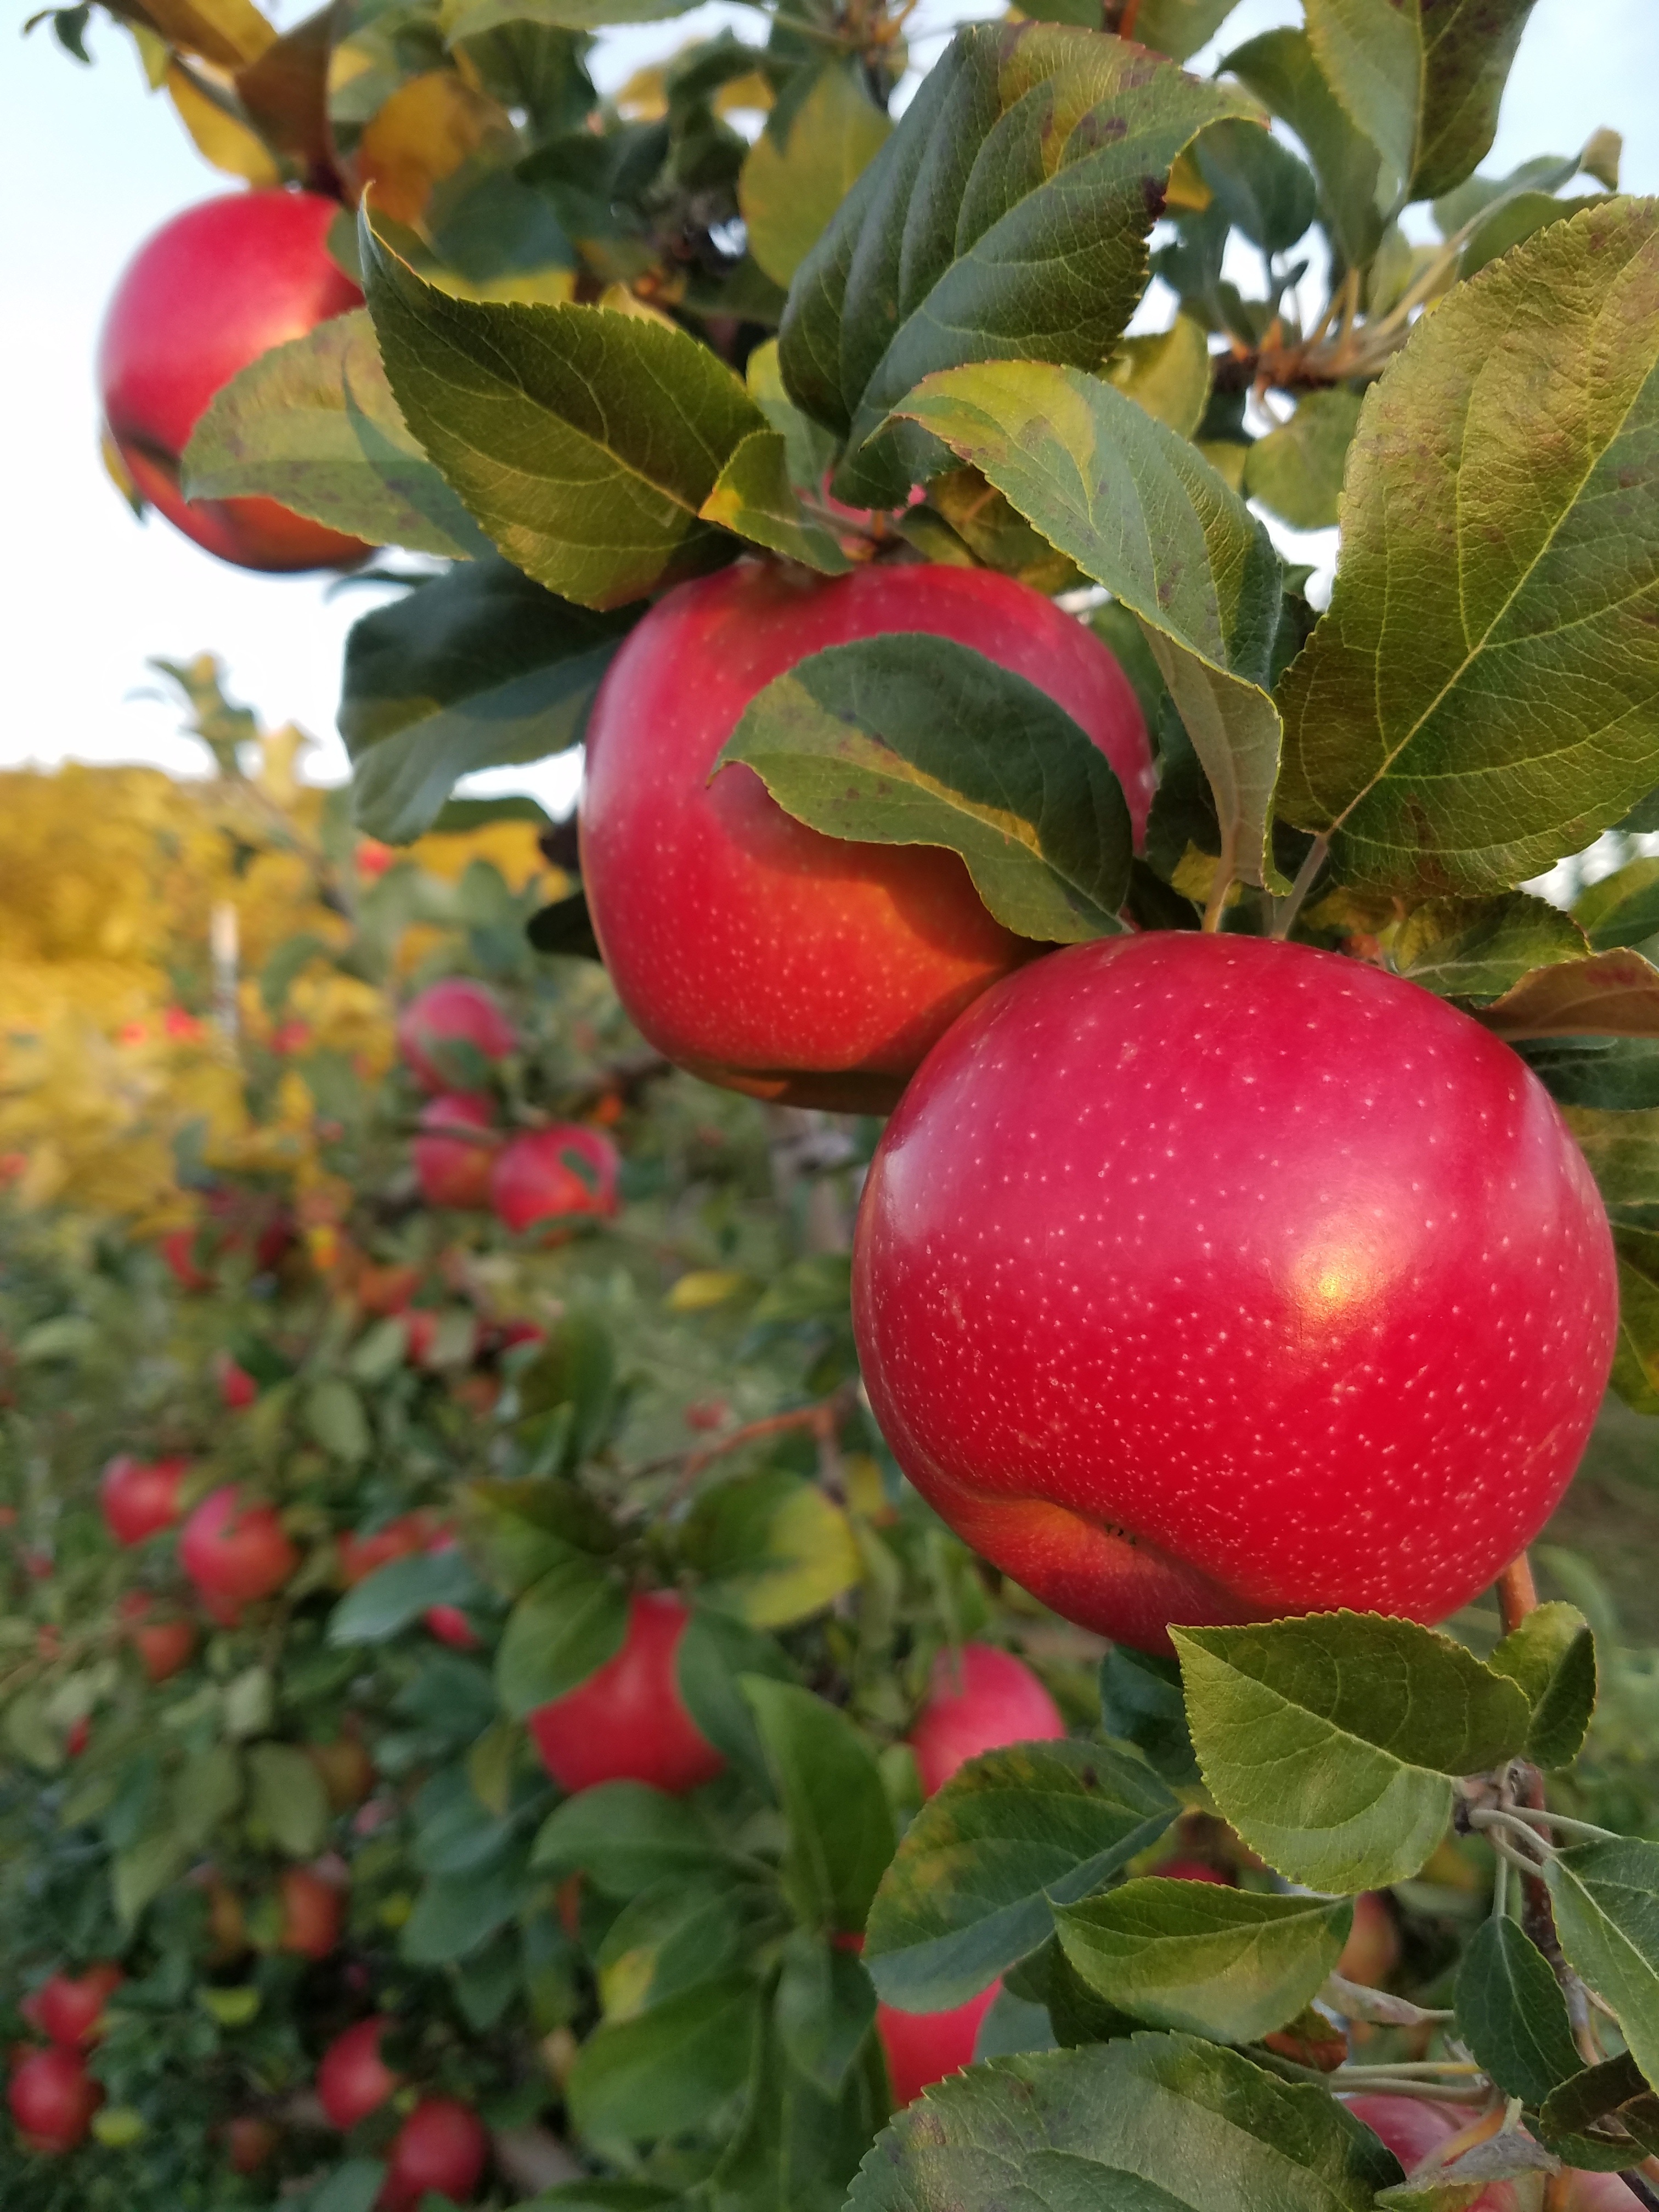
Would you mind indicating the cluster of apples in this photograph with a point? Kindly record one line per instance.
(540, 1179)
(52, 2095)
(440, 2148)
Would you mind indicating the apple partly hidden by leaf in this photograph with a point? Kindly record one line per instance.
(453, 1170)
(455, 1011)
(551, 1175)
(1202, 1278)
(749, 948)
(628, 1721)
(235, 1553)
(921, 2048)
(440, 2148)
(312, 1908)
(203, 296)
(69, 2007)
(978, 1699)
(353, 2080)
(164, 1647)
(53, 2099)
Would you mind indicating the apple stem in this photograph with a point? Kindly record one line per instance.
(1517, 1593)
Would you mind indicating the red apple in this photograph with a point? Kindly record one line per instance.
(923, 2047)
(70, 2008)
(628, 1721)
(234, 1553)
(1204, 1278)
(52, 2100)
(979, 1699)
(1192, 1870)
(363, 1555)
(1372, 1950)
(353, 2080)
(548, 1175)
(451, 1012)
(447, 1622)
(750, 948)
(204, 295)
(312, 1908)
(140, 1497)
(385, 1290)
(455, 1170)
(1411, 2128)
(164, 1647)
(441, 2148)
(237, 1387)
(250, 2141)
(178, 1251)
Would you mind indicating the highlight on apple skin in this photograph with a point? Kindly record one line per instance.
(1202, 1278)
(749, 948)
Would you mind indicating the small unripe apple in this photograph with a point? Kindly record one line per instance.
(1201, 1279)
(454, 1170)
(70, 2007)
(440, 2148)
(234, 1552)
(203, 297)
(140, 1497)
(979, 1699)
(455, 1011)
(353, 2080)
(313, 1909)
(249, 2142)
(549, 1175)
(628, 1721)
(924, 2047)
(1372, 1950)
(53, 2099)
(751, 949)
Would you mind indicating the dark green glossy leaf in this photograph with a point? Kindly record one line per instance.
(584, 440)
(1007, 214)
(1331, 1742)
(1281, 69)
(521, 1531)
(1616, 1074)
(1511, 2013)
(1264, 190)
(668, 1939)
(713, 1655)
(1603, 2117)
(1480, 948)
(1552, 1655)
(841, 1830)
(669, 2069)
(1623, 1152)
(564, 1627)
(455, 1913)
(625, 1836)
(1140, 510)
(392, 1596)
(1156, 2124)
(1141, 1702)
(565, 928)
(1519, 504)
(796, 2148)
(479, 668)
(825, 2007)
(1622, 908)
(1229, 1964)
(1009, 1836)
(312, 424)
(1607, 1913)
(911, 739)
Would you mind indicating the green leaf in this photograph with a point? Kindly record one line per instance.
(563, 1629)
(454, 1914)
(1511, 2013)
(1516, 502)
(1168, 374)
(334, 1415)
(1155, 2123)
(584, 440)
(576, 1369)
(1636, 1358)
(208, 1789)
(672, 1937)
(1608, 994)
(1007, 215)
(564, 927)
(668, 2069)
(1515, 217)
(389, 1599)
(1623, 1152)
(825, 2007)
(712, 1657)
(312, 424)
(1264, 190)
(1140, 511)
(1011, 1835)
(477, 16)
(1229, 1963)
(1281, 69)
(1141, 1702)
(1552, 1655)
(140, 1873)
(1616, 1074)
(521, 1531)
(287, 1799)
(841, 1830)
(1422, 81)
(1607, 1913)
(1614, 2094)
(754, 496)
(480, 668)
(795, 2147)
(773, 1549)
(1622, 908)
(1480, 948)
(1296, 470)
(809, 448)
(625, 1836)
(908, 739)
(353, 2187)
(1331, 1742)
(805, 163)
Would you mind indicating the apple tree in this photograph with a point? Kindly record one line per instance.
(885, 497)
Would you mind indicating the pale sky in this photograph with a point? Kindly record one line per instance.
(91, 164)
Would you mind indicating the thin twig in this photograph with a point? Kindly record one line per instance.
(823, 1419)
